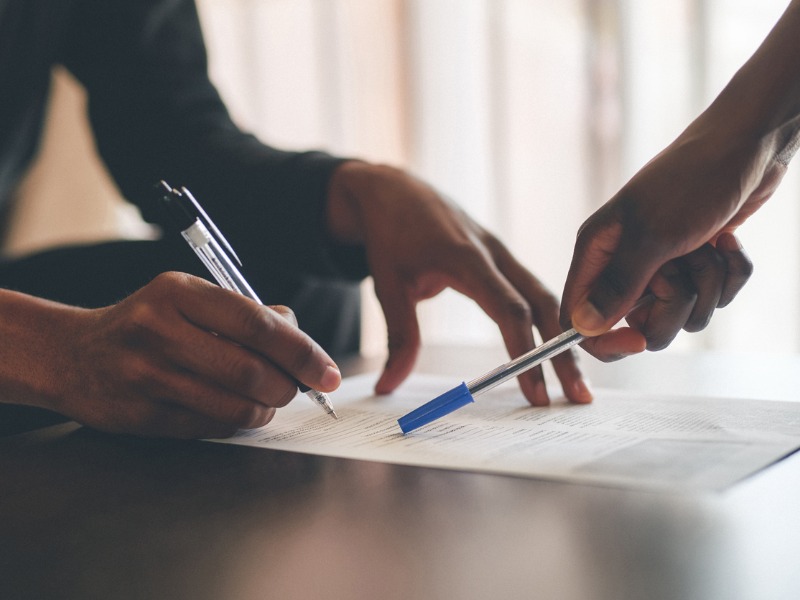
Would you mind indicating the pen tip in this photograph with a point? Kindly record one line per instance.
(334, 415)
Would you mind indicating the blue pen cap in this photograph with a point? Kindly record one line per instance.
(438, 407)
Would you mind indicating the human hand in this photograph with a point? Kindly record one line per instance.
(669, 232)
(418, 244)
(179, 358)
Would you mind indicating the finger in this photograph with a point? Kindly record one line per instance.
(545, 316)
(260, 329)
(612, 263)
(706, 268)
(615, 344)
(674, 298)
(286, 312)
(482, 280)
(153, 418)
(188, 349)
(739, 267)
(204, 397)
(615, 290)
(402, 329)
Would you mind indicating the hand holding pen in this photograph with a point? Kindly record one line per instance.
(150, 365)
(207, 242)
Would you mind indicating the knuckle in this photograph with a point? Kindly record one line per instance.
(744, 269)
(256, 321)
(269, 414)
(284, 397)
(613, 282)
(167, 282)
(396, 340)
(285, 312)
(658, 342)
(247, 374)
(263, 415)
(695, 324)
(494, 245)
(143, 327)
(469, 255)
(676, 288)
(686, 293)
(705, 262)
(303, 356)
(518, 311)
(167, 277)
(143, 317)
(244, 415)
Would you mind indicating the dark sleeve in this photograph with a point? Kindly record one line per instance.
(156, 115)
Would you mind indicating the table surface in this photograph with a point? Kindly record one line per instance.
(88, 515)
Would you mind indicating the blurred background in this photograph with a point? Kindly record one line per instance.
(528, 113)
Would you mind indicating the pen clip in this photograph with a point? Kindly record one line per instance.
(186, 210)
(206, 220)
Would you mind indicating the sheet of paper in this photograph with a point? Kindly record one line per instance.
(623, 438)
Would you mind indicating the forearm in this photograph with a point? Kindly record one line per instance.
(761, 103)
(30, 361)
(156, 115)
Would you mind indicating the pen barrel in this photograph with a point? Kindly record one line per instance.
(524, 362)
(217, 261)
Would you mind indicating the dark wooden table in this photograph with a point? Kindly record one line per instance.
(87, 515)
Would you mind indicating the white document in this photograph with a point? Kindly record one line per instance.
(622, 438)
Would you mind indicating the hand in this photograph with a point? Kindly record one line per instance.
(418, 244)
(180, 358)
(668, 232)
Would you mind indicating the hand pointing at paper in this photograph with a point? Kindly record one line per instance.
(417, 243)
(670, 229)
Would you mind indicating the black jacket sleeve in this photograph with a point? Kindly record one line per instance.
(156, 115)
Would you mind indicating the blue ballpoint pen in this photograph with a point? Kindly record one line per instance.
(196, 228)
(464, 394)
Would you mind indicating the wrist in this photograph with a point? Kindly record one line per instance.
(31, 364)
(343, 213)
(353, 183)
(762, 100)
(734, 146)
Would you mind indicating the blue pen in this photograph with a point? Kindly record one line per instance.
(465, 393)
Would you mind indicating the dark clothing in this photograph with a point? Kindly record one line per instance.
(155, 115)
(102, 274)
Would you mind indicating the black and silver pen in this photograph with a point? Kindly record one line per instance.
(207, 241)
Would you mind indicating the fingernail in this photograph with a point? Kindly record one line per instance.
(588, 320)
(581, 392)
(331, 378)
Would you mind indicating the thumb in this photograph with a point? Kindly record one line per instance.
(609, 273)
(614, 292)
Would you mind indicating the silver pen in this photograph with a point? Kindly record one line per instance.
(206, 240)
